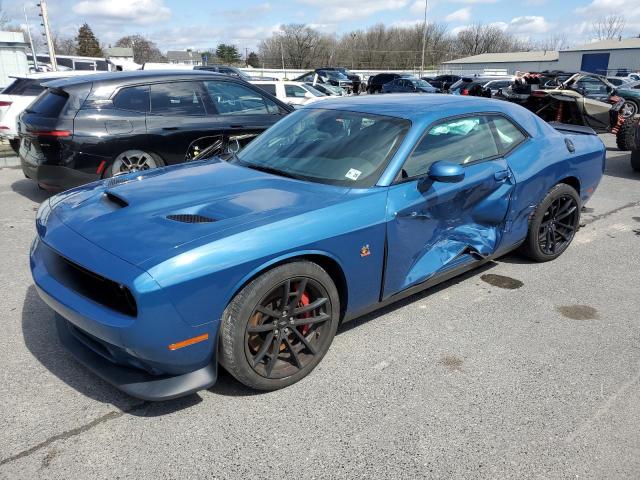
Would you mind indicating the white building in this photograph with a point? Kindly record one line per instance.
(13, 56)
(603, 57)
(184, 57)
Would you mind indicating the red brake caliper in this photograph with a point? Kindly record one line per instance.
(304, 301)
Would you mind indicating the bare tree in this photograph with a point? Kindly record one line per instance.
(553, 42)
(611, 26)
(144, 50)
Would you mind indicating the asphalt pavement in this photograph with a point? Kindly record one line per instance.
(516, 370)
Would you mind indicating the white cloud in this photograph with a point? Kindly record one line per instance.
(462, 15)
(332, 11)
(417, 7)
(260, 9)
(528, 25)
(142, 12)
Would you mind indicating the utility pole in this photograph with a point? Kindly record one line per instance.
(33, 50)
(47, 34)
(282, 54)
(424, 35)
(246, 57)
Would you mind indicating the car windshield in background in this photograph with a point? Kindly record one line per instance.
(334, 75)
(313, 91)
(26, 87)
(327, 146)
(421, 83)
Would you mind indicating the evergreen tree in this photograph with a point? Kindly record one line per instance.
(88, 45)
(228, 53)
(253, 60)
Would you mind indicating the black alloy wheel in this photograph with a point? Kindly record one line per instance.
(285, 330)
(558, 225)
(553, 224)
(279, 326)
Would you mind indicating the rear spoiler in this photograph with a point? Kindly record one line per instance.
(577, 129)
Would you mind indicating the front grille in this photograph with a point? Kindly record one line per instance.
(91, 285)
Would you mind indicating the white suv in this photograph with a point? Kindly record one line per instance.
(19, 94)
(293, 93)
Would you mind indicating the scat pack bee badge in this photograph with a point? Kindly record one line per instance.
(365, 251)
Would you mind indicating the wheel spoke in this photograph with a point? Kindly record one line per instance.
(312, 320)
(294, 354)
(564, 225)
(267, 311)
(567, 213)
(273, 357)
(286, 294)
(300, 290)
(265, 327)
(564, 236)
(263, 349)
(311, 307)
(304, 341)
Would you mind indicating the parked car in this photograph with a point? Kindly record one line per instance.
(408, 85)
(329, 77)
(341, 208)
(225, 70)
(496, 85)
(631, 94)
(444, 82)
(375, 82)
(356, 81)
(328, 90)
(293, 93)
(86, 128)
(18, 95)
(618, 81)
(471, 86)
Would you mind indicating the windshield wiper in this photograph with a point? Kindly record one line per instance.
(271, 170)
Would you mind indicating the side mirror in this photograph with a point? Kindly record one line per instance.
(446, 172)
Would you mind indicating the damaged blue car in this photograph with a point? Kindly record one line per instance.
(344, 206)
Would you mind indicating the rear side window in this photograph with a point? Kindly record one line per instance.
(268, 87)
(231, 98)
(508, 136)
(49, 104)
(135, 99)
(179, 98)
(26, 87)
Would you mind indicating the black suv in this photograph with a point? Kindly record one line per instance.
(328, 76)
(444, 82)
(375, 82)
(85, 128)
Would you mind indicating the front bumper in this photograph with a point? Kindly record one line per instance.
(132, 352)
(136, 383)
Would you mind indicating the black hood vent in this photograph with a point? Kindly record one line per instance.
(190, 218)
(113, 198)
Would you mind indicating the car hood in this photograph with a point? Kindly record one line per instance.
(143, 215)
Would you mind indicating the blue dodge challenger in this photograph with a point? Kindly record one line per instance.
(344, 206)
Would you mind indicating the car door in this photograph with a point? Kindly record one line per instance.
(238, 112)
(176, 118)
(295, 95)
(435, 225)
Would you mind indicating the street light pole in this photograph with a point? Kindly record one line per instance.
(424, 35)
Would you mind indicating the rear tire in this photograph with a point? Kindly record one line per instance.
(271, 334)
(133, 160)
(15, 145)
(625, 138)
(553, 224)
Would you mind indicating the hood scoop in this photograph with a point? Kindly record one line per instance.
(190, 218)
(115, 199)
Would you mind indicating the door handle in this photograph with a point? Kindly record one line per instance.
(502, 175)
(170, 128)
(414, 215)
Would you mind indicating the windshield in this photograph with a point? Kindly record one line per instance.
(421, 83)
(334, 75)
(630, 85)
(327, 146)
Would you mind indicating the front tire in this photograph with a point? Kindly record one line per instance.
(279, 326)
(553, 224)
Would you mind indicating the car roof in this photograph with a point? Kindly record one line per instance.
(59, 74)
(133, 77)
(415, 107)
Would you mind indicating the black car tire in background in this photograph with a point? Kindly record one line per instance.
(626, 136)
(553, 224)
(133, 160)
(267, 342)
(15, 145)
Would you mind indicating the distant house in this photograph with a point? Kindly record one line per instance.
(121, 58)
(13, 56)
(184, 57)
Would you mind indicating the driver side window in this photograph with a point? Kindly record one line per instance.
(461, 140)
(231, 98)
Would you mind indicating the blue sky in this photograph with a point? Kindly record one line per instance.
(179, 24)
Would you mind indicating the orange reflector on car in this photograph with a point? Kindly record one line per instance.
(190, 341)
